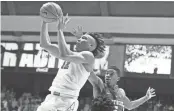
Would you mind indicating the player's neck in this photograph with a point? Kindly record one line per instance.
(112, 86)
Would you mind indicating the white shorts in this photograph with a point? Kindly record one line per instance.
(58, 103)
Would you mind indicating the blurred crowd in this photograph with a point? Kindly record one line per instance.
(25, 102)
(30, 102)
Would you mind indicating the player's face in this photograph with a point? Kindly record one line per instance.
(111, 77)
(86, 43)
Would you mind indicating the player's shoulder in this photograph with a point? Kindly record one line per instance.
(88, 55)
(122, 92)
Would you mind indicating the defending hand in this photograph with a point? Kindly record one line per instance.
(77, 32)
(150, 93)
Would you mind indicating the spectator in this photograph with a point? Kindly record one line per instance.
(171, 108)
(155, 70)
(165, 108)
(14, 104)
(4, 104)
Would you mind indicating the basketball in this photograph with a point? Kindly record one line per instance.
(50, 12)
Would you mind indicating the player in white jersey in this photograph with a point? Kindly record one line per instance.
(75, 71)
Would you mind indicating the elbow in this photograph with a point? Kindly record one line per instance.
(42, 45)
(130, 107)
(63, 56)
(45, 46)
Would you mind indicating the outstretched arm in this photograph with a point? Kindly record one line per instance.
(136, 103)
(45, 41)
(96, 83)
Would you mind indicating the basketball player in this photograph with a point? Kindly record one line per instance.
(110, 89)
(103, 103)
(76, 69)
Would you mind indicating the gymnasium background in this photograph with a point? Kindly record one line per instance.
(139, 38)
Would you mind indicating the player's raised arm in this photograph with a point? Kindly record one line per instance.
(96, 83)
(64, 50)
(45, 41)
(95, 80)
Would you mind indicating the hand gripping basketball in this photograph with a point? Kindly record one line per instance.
(50, 12)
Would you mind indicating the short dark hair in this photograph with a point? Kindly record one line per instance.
(102, 103)
(98, 52)
(116, 69)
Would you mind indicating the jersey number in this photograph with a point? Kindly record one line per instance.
(65, 65)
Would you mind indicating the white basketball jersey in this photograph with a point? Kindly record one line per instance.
(70, 79)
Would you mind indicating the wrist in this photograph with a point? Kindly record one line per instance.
(79, 36)
(147, 97)
(60, 30)
(44, 22)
